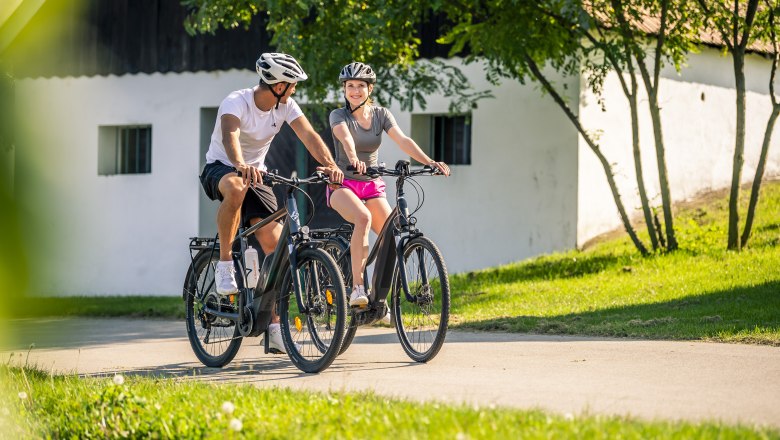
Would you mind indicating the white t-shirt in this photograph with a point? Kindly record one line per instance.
(257, 128)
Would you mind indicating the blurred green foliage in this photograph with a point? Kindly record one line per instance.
(13, 263)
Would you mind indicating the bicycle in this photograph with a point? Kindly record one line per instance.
(414, 286)
(299, 278)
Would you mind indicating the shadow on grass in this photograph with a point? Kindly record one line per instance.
(743, 314)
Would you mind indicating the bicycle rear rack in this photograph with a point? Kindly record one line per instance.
(200, 243)
(344, 230)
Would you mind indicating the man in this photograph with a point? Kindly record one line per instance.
(246, 124)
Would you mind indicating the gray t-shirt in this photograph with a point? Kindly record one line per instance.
(366, 141)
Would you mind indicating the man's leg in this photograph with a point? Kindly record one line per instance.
(229, 213)
(228, 216)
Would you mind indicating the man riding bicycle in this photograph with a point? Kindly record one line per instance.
(247, 122)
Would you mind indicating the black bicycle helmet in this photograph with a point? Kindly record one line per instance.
(359, 71)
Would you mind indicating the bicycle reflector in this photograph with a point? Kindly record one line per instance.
(298, 323)
(329, 297)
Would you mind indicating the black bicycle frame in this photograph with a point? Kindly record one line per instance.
(264, 295)
(389, 249)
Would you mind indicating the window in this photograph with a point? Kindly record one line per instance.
(124, 150)
(445, 138)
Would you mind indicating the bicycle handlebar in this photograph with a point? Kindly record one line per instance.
(270, 178)
(316, 177)
(399, 171)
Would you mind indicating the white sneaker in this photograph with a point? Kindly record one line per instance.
(225, 278)
(386, 319)
(359, 297)
(275, 342)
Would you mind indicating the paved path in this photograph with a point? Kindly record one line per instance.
(576, 375)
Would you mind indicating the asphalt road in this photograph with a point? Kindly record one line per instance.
(568, 375)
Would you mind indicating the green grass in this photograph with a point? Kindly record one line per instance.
(701, 291)
(104, 307)
(143, 407)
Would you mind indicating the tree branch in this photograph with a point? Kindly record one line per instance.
(750, 15)
(660, 41)
(723, 33)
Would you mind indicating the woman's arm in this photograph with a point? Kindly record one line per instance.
(410, 147)
(345, 137)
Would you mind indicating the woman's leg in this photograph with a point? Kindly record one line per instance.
(346, 203)
(380, 211)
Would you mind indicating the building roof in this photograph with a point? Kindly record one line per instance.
(99, 37)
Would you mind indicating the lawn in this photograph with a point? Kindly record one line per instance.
(34, 404)
(701, 291)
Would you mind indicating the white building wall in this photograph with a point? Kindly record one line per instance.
(120, 234)
(698, 116)
(127, 234)
(518, 197)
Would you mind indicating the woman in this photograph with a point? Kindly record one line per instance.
(357, 134)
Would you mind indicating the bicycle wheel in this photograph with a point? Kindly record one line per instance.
(338, 250)
(214, 340)
(313, 339)
(421, 324)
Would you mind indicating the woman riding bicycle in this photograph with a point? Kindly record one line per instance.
(357, 135)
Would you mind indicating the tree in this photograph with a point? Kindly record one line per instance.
(518, 42)
(767, 31)
(617, 31)
(672, 41)
(329, 34)
(734, 24)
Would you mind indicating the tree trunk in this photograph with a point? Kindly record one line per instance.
(604, 162)
(739, 149)
(660, 154)
(640, 180)
(754, 191)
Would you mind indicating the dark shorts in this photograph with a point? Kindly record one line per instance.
(259, 203)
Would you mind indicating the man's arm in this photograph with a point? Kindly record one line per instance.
(230, 131)
(316, 147)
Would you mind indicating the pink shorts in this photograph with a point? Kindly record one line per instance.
(363, 189)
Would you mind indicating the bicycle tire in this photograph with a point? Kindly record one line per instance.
(199, 288)
(422, 328)
(336, 249)
(315, 348)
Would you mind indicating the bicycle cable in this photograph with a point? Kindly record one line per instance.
(296, 188)
(420, 195)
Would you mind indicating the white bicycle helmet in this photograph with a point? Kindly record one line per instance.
(279, 67)
(359, 71)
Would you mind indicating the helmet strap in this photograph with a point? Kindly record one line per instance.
(353, 110)
(277, 95)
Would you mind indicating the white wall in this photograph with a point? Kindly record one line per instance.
(121, 234)
(698, 117)
(518, 197)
